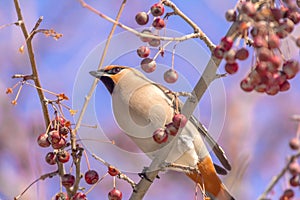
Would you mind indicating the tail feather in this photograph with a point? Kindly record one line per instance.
(209, 178)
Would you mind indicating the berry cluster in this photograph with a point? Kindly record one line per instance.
(149, 64)
(161, 134)
(263, 26)
(56, 136)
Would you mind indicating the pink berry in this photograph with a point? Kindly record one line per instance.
(264, 54)
(219, 52)
(67, 180)
(113, 171)
(63, 156)
(51, 158)
(91, 177)
(255, 78)
(226, 43)
(148, 65)
(143, 51)
(148, 32)
(294, 143)
(79, 196)
(157, 9)
(294, 168)
(115, 194)
(259, 42)
(247, 8)
(160, 136)
(273, 41)
(261, 88)
(171, 129)
(246, 85)
(142, 18)
(230, 15)
(290, 68)
(43, 140)
(242, 54)
(61, 196)
(231, 68)
(179, 120)
(170, 76)
(158, 23)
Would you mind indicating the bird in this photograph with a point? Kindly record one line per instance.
(142, 106)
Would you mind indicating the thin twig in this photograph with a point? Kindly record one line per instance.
(77, 161)
(276, 178)
(117, 23)
(32, 60)
(93, 87)
(43, 177)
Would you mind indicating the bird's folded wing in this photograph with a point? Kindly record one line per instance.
(217, 149)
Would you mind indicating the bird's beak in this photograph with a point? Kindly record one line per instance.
(97, 74)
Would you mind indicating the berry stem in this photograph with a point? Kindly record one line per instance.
(87, 160)
(94, 185)
(161, 49)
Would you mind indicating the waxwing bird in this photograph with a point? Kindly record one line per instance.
(142, 106)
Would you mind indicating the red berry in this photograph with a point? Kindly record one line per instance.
(289, 193)
(272, 90)
(157, 9)
(294, 16)
(259, 42)
(91, 177)
(54, 137)
(230, 56)
(142, 18)
(294, 143)
(61, 196)
(43, 140)
(115, 194)
(290, 68)
(179, 120)
(246, 85)
(298, 42)
(143, 51)
(58, 121)
(260, 87)
(275, 62)
(264, 54)
(113, 171)
(219, 52)
(158, 23)
(154, 43)
(64, 131)
(67, 180)
(294, 181)
(285, 86)
(79, 196)
(170, 76)
(160, 136)
(63, 156)
(148, 65)
(277, 13)
(51, 158)
(242, 54)
(61, 144)
(230, 15)
(146, 39)
(231, 68)
(226, 43)
(255, 78)
(171, 129)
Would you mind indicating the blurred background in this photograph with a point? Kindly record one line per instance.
(255, 128)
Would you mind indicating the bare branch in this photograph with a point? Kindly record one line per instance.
(32, 60)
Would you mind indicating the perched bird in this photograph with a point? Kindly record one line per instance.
(142, 106)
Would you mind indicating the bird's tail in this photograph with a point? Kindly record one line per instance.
(209, 178)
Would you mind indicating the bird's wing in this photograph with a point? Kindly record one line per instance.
(217, 149)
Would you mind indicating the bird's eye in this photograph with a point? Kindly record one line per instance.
(115, 70)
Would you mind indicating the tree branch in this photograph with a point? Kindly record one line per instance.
(32, 60)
